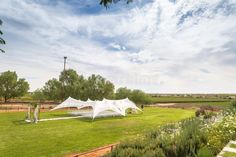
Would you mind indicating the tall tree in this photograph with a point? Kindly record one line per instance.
(73, 84)
(52, 89)
(38, 95)
(1, 39)
(136, 96)
(139, 97)
(69, 84)
(11, 86)
(123, 92)
(98, 88)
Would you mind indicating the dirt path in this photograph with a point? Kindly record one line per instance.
(95, 152)
(163, 104)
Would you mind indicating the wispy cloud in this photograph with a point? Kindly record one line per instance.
(158, 46)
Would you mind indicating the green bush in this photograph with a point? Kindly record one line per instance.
(137, 96)
(221, 133)
(209, 114)
(207, 107)
(191, 138)
(206, 112)
(173, 140)
(204, 152)
(233, 103)
(132, 152)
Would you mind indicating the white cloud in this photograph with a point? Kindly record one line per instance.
(186, 46)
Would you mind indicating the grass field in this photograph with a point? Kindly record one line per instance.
(229, 154)
(57, 138)
(223, 103)
(217, 104)
(186, 99)
(232, 146)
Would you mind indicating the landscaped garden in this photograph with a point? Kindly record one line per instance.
(194, 126)
(117, 78)
(201, 136)
(57, 138)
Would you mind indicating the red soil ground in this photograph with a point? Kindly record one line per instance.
(95, 152)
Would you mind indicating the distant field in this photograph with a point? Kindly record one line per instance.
(220, 104)
(192, 101)
(57, 138)
(186, 99)
(219, 101)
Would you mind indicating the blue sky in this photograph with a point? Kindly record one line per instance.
(175, 46)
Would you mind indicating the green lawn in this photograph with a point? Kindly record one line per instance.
(232, 145)
(57, 138)
(229, 154)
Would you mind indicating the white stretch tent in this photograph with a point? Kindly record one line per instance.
(117, 106)
(69, 102)
(123, 105)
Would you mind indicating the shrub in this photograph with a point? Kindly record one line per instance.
(207, 107)
(172, 140)
(233, 103)
(206, 112)
(209, 114)
(137, 96)
(132, 152)
(165, 129)
(204, 152)
(195, 137)
(200, 112)
(220, 133)
(191, 138)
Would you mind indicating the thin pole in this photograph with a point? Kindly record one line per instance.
(65, 62)
(63, 83)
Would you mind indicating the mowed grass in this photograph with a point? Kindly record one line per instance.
(57, 138)
(232, 145)
(229, 154)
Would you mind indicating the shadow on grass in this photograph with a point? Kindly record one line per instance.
(88, 119)
(20, 122)
(60, 115)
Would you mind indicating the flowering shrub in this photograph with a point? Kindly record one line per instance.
(195, 137)
(221, 132)
(173, 140)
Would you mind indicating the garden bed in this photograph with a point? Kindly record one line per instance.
(203, 136)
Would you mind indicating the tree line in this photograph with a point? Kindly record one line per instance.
(69, 83)
(95, 87)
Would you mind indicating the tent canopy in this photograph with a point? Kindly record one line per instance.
(116, 106)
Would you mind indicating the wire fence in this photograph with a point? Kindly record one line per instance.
(23, 106)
